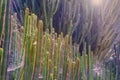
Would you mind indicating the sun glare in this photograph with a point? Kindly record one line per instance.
(96, 2)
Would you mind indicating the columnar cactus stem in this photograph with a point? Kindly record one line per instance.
(2, 15)
(50, 8)
(6, 41)
(1, 53)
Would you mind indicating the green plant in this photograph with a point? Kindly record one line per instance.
(1, 53)
(2, 14)
(6, 41)
(49, 9)
(52, 56)
(49, 56)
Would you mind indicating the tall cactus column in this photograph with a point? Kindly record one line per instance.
(2, 9)
(49, 8)
(6, 43)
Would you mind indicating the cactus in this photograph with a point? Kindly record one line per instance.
(49, 56)
(1, 53)
(46, 54)
(49, 8)
(6, 43)
(2, 14)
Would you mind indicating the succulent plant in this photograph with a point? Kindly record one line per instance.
(58, 40)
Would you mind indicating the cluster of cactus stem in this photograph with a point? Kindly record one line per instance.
(70, 16)
(49, 8)
(48, 55)
(6, 25)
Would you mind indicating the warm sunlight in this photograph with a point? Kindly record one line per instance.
(96, 2)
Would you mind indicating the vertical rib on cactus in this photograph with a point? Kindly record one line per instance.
(27, 62)
(28, 45)
(24, 35)
(2, 15)
(6, 43)
(25, 41)
(51, 76)
(1, 53)
(90, 54)
(77, 69)
(38, 51)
